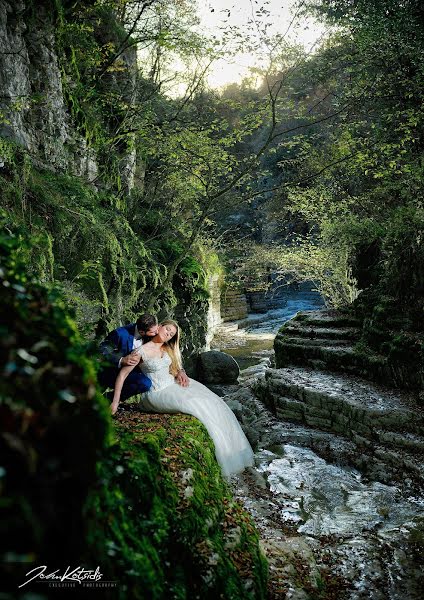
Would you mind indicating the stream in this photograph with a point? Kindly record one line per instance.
(252, 343)
(328, 531)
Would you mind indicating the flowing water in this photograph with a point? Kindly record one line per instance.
(328, 531)
(252, 343)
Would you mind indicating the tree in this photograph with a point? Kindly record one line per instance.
(359, 184)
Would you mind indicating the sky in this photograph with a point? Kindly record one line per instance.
(215, 14)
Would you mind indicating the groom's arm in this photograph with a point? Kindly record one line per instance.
(109, 349)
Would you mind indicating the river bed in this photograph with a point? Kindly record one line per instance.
(328, 531)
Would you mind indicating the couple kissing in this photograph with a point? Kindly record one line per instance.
(144, 358)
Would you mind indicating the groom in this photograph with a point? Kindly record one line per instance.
(117, 348)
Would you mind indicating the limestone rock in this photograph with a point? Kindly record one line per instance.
(36, 115)
(30, 79)
(233, 305)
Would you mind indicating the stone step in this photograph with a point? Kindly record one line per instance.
(326, 318)
(293, 329)
(318, 341)
(325, 340)
(332, 357)
(343, 404)
(407, 441)
(390, 457)
(402, 460)
(296, 352)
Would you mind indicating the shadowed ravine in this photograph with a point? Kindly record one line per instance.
(337, 487)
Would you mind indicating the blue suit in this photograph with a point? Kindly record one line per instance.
(117, 344)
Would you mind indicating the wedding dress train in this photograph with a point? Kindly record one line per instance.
(232, 448)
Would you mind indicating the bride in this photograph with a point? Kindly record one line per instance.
(160, 360)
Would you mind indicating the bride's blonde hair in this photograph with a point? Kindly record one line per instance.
(172, 346)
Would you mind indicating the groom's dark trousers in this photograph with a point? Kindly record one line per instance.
(117, 344)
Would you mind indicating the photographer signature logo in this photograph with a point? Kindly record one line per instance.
(85, 577)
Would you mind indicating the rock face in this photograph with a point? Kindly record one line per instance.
(327, 340)
(264, 300)
(323, 382)
(214, 307)
(233, 305)
(31, 84)
(217, 367)
(33, 109)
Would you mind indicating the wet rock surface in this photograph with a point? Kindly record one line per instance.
(337, 491)
(327, 340)
(329, 527)
(358, 409)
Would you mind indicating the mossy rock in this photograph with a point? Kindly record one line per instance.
(145, 502)
(327, 318)
(54, 423)
(163, 523)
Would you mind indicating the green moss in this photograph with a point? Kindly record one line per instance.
(416, 537)
(54, 423)
(164, 516)
(84, 243)
(78, 239)
(395, 333)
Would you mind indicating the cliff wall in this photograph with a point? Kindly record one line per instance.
(34, 111)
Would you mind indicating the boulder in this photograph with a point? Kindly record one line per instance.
(217, 367)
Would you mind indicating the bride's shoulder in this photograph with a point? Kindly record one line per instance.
(148, 345)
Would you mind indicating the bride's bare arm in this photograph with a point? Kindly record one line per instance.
(123, 374)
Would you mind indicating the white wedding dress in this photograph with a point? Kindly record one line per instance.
(232, 448)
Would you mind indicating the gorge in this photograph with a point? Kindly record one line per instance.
(128, 185)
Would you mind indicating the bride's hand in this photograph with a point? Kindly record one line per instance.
(182, 379)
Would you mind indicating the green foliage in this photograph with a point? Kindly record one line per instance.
(328, 266)
(90, 246)
(358, 208)
(355, 215)
(403, 253)
(54, 423)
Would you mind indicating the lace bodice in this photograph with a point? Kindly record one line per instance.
(156, 369)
